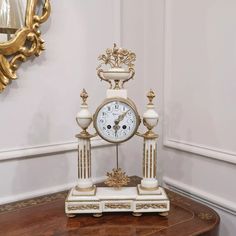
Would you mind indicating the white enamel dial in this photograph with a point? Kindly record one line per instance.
(116, 121)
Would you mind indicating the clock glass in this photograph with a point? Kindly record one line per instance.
(116, 121)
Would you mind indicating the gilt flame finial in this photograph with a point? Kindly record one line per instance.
(84, 96)
(150, 95)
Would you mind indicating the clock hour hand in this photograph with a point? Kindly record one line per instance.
(116, 127)
(121, 117)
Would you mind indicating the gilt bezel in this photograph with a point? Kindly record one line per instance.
(130, 103)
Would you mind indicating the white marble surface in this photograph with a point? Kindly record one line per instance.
(124, 199)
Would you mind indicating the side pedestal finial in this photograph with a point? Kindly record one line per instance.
(150, 120)
(84, 119)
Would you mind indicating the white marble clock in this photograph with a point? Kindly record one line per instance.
(117, 120)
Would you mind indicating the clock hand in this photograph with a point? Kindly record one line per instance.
(121, 117)
(116, 127)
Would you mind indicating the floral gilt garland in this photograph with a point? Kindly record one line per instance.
(116, 57)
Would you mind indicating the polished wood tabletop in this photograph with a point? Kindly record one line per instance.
(45, 216)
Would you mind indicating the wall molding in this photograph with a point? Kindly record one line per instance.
(199, 149)
(49, 149)
(44, 191)
(221, 155)
(200, 195)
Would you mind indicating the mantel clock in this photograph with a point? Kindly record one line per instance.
(117, 120)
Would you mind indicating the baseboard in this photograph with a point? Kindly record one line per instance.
(200, 195)
(45, 191)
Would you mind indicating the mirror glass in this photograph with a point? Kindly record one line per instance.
(12, 18)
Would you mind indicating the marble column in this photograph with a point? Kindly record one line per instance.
(84, 119)
(149, 180)
(84, 163)
(150, 120)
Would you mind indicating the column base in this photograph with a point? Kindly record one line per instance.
(77, 191)
(85, 183)
(148, 191)
(149, 183)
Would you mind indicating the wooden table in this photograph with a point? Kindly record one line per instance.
(45, 216)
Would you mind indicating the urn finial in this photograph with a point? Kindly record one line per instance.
(116, 66)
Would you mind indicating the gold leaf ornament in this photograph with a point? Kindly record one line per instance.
(26, 42)
(117, 58)
(117, 178)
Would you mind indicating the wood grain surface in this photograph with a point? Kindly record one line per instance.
(45, 216)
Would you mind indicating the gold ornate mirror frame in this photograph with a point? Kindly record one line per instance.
(25, 43)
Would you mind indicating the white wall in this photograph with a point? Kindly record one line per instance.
(189, 59)
(37, 121)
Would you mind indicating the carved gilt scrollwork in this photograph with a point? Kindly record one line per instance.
(26, 42)
(83, 207)
(118, 205)
(140, 206)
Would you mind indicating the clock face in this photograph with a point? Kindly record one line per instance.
(116, 121)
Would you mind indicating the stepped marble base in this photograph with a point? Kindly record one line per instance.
(126, 199)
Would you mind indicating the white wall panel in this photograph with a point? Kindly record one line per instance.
(40, 107)
(200, 77)
(37, 121)
(197, 103)
(44, 174)
(175, 70)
